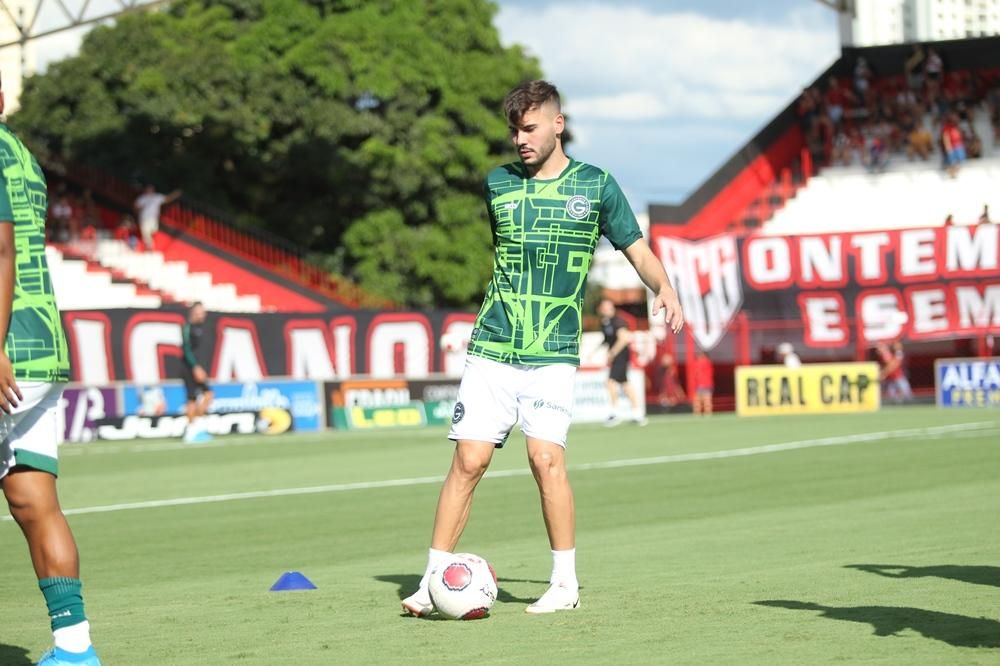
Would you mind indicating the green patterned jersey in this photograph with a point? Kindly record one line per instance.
(545, 232)
(36, 343)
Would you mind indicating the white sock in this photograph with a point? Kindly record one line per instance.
(73, 639)
(434, 558)
(564, 568)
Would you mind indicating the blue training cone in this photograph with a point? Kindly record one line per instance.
(292, 580)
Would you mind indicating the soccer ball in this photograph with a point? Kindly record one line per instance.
(463, 587)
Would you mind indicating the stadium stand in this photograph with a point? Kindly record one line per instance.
(79, 287)
(747, 191)
(171, 280)
(196, 256)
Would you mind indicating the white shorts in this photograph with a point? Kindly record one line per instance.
(31, 434)
(494, 397)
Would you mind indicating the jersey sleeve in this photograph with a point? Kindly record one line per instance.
(488, 202)
(6, 210)
(618, 223)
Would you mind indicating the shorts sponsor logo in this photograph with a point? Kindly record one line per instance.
(459, 413)
(543, 404)
(578, 207)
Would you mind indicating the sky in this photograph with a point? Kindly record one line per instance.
(659, 92)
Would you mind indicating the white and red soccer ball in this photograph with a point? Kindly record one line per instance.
(463, 587)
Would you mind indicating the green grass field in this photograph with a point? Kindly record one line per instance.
(870, 538)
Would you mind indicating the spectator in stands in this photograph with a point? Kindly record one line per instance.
(147, 208)
(127, 232)
(88, 233)
(89, 215)
(862, 78)
(787, 355)
(914, 68)
(918, 140)
(993, 105)
(671, 391)
(933, 70)
(837, 98)
(617, 337)
(61, 215)
(704, 384)
(843, 149)
(876, 156)
(954, 147)
(895, 385)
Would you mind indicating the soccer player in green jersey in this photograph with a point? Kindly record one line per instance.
(547, 213)
(34, 366)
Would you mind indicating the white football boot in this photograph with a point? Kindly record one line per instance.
(556, 598)
(418, 604)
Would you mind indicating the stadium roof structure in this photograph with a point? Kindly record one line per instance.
(66, 15)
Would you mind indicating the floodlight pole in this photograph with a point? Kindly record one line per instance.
(847, 11)
(26, 33)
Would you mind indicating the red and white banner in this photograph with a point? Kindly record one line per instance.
(913, 284)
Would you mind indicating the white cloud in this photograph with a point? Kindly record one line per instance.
(630, 63)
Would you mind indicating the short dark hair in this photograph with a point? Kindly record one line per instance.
(526, 96)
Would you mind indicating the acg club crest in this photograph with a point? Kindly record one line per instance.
(706, 275)
(578, 207)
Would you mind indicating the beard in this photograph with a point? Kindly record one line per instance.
(541, 155)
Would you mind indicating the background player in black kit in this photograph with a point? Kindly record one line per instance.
(617, 337)
(199, 395)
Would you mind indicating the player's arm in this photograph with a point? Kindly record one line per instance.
(172, 197)
(622, 339)
(652, 274)
(199, 373)
(619, 225)
(10, 394)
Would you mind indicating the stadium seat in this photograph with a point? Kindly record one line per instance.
(78, 286)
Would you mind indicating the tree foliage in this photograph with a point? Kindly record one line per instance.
(361, 130)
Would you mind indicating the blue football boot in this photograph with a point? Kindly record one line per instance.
(57, 657)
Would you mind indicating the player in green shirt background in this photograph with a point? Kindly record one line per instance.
(547, 213)
(34, 367)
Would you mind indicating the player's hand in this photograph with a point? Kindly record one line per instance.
(666, 300)
(200, 375)
(10, 394)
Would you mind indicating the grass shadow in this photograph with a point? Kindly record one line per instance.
(977, 575)
(12, 655)
(956, 630)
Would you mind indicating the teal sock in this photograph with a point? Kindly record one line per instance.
(64, 601)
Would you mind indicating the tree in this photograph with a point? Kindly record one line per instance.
(361, 130)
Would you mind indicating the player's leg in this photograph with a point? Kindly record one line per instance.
(469, 463)
(707, 403)
(546, 410)
(612, 386)
(548, 466)
(28, 465)
(485, 413)
(633, 399)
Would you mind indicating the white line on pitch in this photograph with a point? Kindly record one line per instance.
(907, 433)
